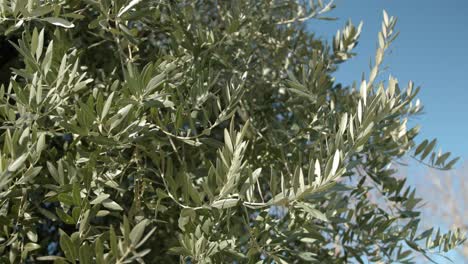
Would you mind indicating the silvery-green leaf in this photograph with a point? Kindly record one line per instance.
(57, 21)
(15, 165)
(225, 203)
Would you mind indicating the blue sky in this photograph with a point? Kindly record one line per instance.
(431, 50)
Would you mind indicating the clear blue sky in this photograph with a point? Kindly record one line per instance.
(431, 50)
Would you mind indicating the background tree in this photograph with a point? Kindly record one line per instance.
(201, 132)
(447, 200)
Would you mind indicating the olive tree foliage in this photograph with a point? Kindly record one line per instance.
(212, 131)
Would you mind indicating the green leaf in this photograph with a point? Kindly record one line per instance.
(251, 180)
(57, 21)
(47, 61)
(428, 149)
(336, 163)
(147, 236)
(109, 204)
(137, 231)
(85, 254)
(107, 106)
(225, 203)
(14, 27)
(64, 217)
(421, 147)
(413, 245)
(53, 172)
(343, 123)
(66, 198)
(155, 82)
(31, 247)
(313, 212)
(317, 172)
(32, 236)
(41, 143)
(100, 198)
(76, 194)
(30, 174)
(84, 222)
(124, 9)
(120, 116)
(68, 247)
(113, 242)
(385, 16)
(307, 256)
(449, 165)
(40, 45)
(179, 251)
(51, 258)
(34, 40)
(99, 247)
(41, 10)
(311, 97)
(18, 163)
(442, 158)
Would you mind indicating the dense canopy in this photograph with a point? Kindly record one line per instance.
(165, 131)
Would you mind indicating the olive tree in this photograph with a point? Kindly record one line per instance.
(165, 131)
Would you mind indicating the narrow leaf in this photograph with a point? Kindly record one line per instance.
(137, 231)
(57, 21)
